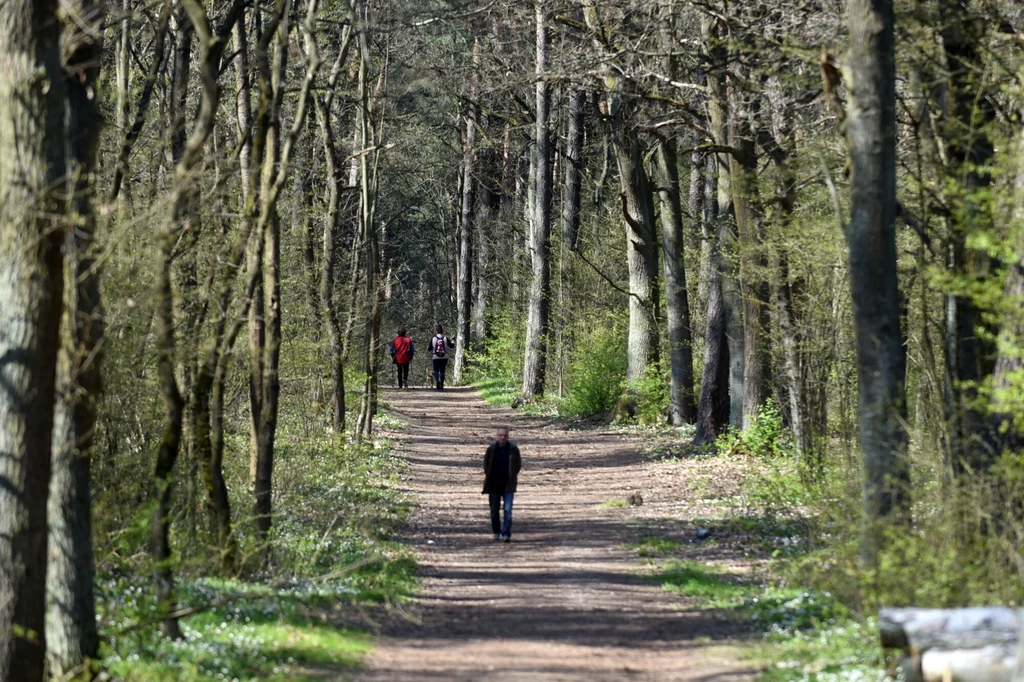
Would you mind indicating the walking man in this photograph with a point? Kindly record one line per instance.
(401, 354)
(501, 474)
(439, 346)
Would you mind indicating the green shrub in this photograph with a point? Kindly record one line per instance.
(651, 392)
(766, 438)
(501, 359)
(597, 371)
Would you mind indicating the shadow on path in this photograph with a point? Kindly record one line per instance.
(564, 600)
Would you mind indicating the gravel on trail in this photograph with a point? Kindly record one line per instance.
(565, 599)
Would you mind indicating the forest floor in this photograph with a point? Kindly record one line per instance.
(568, 598)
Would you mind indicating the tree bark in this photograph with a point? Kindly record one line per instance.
(573, 169)
(725, 237)
(681, 403)
(123, 64)
(243, 102)
(535, 362)
(467, 226)
(778, 146)
(965, 127)
(713, 408)
(331, 238)
(71, 635)
(276, 160)
(210, 48)
(31, 283)
(132, 135)
(367, 211)
(682, 409)
(752, 283)
(871, 237)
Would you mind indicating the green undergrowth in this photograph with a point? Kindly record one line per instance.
(800, 635)
(498, 392)
(710, 587)
(334, 550)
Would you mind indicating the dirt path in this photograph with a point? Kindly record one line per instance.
(564, 600)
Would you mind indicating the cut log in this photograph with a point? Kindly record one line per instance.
(919, 630)
(976, 644)
(992, 663)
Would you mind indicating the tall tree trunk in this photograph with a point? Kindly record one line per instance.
(682, 409)
(965, 128)
(132, 134)
(31, 281)
(573, 169)
(871, 237)
(699, 240)
(210, 48)
(1006, 419)
(713, 408)
(490, 202)
(641, 254)
(123, 64)
(786, 311)
(725, 239)
(170, 439)
(367, 207)
(265, 329)
(276, 160)
(752, 282)
(535, 362)
(71, 635)
(778, 146)
(467, 227)
(331, 238)
(243, 102)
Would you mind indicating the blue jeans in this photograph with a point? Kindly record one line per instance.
(440, 365)
(496, 499)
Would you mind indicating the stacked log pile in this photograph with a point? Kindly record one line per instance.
(978, 644)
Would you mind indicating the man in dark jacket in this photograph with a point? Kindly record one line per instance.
(501, 473)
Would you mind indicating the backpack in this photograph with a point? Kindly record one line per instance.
(439, 346)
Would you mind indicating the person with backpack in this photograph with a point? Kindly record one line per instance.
(439, 346)
(402, 351)
(502, 464)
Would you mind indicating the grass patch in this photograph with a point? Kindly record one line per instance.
(613, 504)
(712, 588)
(649, 547)
(497, 392)
(337, 510)
(811, 637)
(262, 633)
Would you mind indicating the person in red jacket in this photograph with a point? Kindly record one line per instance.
(401, 354)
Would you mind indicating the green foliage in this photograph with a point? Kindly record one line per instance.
(811, 637)
(501, 359)
(767, 438)
(649, 547)
(246, 632)
(597, 371)
(651, 393)
(714, 589)
(613, 504)
(336, 516)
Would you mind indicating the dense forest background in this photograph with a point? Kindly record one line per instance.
(789, 231)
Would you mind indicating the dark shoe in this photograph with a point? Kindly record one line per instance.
(497, 537)
(506, 538)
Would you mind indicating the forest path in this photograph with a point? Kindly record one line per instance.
(563, 600)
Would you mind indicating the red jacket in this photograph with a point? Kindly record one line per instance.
(403, 349)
